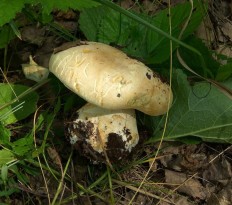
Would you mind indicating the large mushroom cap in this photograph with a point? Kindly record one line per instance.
(107, 77)
(95, 131)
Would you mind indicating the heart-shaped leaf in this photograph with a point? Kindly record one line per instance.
(200, 110)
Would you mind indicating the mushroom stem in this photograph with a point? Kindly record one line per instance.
(97, 130)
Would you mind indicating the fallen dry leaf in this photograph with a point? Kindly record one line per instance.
(223, 197)
(219, 170)
(192, 187)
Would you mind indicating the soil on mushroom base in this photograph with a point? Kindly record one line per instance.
(81, 134)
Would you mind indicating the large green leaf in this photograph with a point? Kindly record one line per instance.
(10, 9)
(200, 110)
(108, 26)
(158, 46)
(90, 21)
(224, 71)
(192, 59)
(19, 109)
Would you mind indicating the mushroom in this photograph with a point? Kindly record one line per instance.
(108, 78)
(114, 85)
(34, 72)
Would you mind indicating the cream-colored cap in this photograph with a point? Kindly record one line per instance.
(107, 77)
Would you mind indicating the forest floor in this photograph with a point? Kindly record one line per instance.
(181, 174)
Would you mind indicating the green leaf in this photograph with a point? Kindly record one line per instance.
(15, 29)
(10, 9)
(6, 34)
(224, 72)
(108, 26)
(48, 6)
(202, 111)
(4, 173)
(20, 109)
(159, 45)
(192, 59)
(70, 103)
(90, 20)
(23, 146)
(17, 170)
(190, 140)
(8, 192)
(6, 156)
(4, 135)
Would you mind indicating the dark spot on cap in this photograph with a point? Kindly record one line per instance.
(148, 76)
(118, 95)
